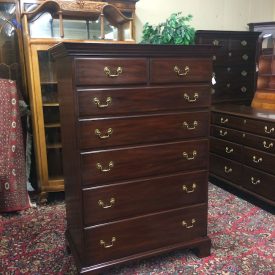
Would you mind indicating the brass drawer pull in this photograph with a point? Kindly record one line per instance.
(223, 121)
(214, 57)
(223, 133)
(195, 124)
(244, 89)
(99, 105)
(178, 71)
(108, 72)
(270, 145)
(229, 151)
(243, 43)
(103, 205)
(255, 182)
(268, 131)
(103, 243)
(227, 170)
(185, 188)
(100, 167)
(194, 154)
(195, 97)
(257, 160)
(244, 73)
(215, 42)
(245, 57)
(184, 223)
(103, 136)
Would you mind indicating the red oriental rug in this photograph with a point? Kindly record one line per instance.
(243, 238)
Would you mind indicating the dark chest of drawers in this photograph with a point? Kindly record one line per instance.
(243, 150)
(135, 136)
(234, 64)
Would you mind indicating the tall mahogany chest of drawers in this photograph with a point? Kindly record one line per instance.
(135, 135)
(234, 64)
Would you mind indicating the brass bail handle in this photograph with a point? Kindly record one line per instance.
(104, 205)
(111, 74)
(100, 167)
(184, 223)
(105, 245)
(178, 71)
(187, 97)
(101, 135)
(102, 105)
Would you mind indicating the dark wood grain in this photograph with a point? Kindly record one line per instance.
(162, 70)
(227, 134)
(259, 142)
(226, 120)
(143, 161)
(142, 129)
(91, 71)
(144, 196)
(144, 233)
(133, 100)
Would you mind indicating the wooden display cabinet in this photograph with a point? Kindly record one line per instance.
(46, 23)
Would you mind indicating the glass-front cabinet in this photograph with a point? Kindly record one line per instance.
(46, 23)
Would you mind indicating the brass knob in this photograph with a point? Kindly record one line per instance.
(243, 89)
(243, 43)
(245, 57)
(244, 73)
(215, 42)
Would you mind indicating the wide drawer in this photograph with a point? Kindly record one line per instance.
(259, 142)
(259, 182)
(113, 101)
(226, 120)
(105, 132)
(260, 160)
(227, 134)
(124, 238)
(259, 127)
(225, 168)
(118, 201)
(110, 71)
(174, 70)
(107, 166)
(225, 148)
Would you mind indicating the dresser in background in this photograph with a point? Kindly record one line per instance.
(135, 136)
(234, 64)
(243, 150)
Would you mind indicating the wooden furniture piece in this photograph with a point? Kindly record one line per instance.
(234, 65)
(46, 23)
(243, 150)
(135, 126)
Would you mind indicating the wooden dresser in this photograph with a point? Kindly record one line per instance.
(243, 150)
(234, 64)
(135, 135)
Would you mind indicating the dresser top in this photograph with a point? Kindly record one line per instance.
(245, 111)
(124, 50)
(228, 34)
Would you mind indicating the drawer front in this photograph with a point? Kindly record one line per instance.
(258, 142)
(227, 134)
(111, 71)
(135, 198)
(225, 168)
(128, 237)
(174, 70)
(242, 44)
(259, 182)
(225, 148)
(262, 128)
(226, 120)
(106, 166)
(260, 160)
(241, 57)
(138, 100)
(104, 132)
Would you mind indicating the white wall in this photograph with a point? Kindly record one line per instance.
(207, 14)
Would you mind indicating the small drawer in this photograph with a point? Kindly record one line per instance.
(259, 127)
(227, 134)
(107, 166)
(105, 132)
(258, 142)
(111, 71)
(226, 120)
(241, 57)
(123, 238)
(175, 70)
(225, 148)
(259, 159)
(94, 102)
(242, 44)
(225, 168)
(259, 182)
(120, 201)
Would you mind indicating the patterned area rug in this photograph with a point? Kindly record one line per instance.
(243, 242)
